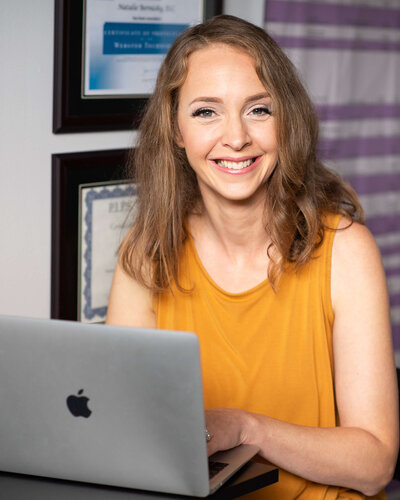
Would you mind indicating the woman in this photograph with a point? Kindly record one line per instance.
(243, 237)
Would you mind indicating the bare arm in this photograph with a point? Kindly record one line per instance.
(361, 452)
(130, 304)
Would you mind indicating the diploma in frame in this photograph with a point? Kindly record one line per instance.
(125, 43)
(79, 179)
(105, 216)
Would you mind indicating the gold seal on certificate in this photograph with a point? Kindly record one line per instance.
(105, 215)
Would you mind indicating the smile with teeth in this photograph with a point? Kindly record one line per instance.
(235, 165)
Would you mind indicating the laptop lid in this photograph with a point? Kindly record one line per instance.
(136, 394)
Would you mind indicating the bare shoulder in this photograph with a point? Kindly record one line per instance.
(355, 256)
(353, 237)
(130, 303)
(359, 298)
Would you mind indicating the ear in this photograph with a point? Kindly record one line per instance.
(178, 137)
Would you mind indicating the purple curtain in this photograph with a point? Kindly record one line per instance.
(348, 55)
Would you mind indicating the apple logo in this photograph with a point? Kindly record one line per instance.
(78, 405)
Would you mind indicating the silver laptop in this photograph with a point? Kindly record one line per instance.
(109, 405)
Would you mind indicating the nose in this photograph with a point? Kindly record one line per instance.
(235, 133)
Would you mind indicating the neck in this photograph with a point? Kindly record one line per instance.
(238, 226)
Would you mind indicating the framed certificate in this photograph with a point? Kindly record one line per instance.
(105, 215)
(125, 44)
(91, 212)
(107, 56)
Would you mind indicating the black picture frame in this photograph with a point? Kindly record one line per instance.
(72, 113)
(69, 171)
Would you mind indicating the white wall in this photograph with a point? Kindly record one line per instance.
(251, 10)
(26, 145)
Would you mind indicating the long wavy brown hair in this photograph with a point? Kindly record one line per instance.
(297, 194)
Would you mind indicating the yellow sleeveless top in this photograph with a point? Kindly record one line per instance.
(264, 351)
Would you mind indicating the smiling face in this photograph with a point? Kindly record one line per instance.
(225, 124)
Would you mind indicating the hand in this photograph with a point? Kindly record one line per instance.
(227, 428)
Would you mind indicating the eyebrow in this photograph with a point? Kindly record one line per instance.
(252, 98)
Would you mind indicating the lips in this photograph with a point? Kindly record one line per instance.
(236, 165)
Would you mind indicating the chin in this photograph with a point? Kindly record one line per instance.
(246, 195)
(240, 197)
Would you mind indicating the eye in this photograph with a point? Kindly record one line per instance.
(261, 111)
(204, 113)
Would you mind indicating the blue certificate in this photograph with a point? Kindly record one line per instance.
(105, 215)
(126, 41)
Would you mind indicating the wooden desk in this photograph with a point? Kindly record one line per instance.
(252, 477)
